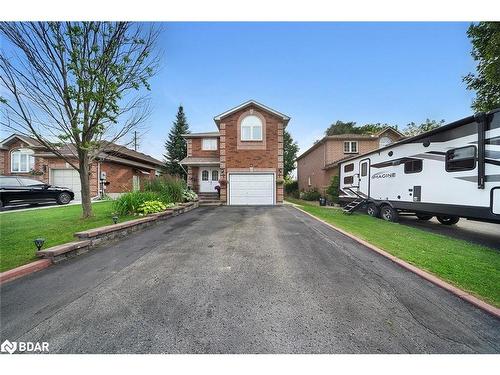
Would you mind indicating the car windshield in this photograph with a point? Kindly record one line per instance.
(30, 182)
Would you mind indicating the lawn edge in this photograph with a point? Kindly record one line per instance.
(418, 271)
(24, 270)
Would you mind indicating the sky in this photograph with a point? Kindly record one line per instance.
(316, 73)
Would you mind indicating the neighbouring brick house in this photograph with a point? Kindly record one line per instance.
(116, 170)
(244, 158)
(317, 165)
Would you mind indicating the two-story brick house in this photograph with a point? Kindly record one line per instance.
(317, 165)
(244, 158)
(116, 170)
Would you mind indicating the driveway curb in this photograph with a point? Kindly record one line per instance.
(24, 270)
(423, 274)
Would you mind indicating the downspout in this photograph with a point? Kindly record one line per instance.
(482, 123)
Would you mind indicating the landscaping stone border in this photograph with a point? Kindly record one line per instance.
(485, 306)
(93, 237)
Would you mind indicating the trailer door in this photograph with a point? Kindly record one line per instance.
(364, 177)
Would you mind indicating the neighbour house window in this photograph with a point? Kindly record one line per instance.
(384, 141)
(348, 180)
(204, 175)
(309, 181)
(215, 175)
(461, 159)
(251, 128)
(22, 160)
(350, 147)
(349, 167)
(209, 144)
(413, 166)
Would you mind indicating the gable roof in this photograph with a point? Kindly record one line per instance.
(389, 129)
(32, 142)
(248, 103)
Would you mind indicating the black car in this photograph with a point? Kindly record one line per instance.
(21, 190)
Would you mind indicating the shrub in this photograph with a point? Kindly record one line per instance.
(129, 203)
(189, 195)
(310, 195)
(291, 187)
(169, 189)
(333, 189)
(150, 207)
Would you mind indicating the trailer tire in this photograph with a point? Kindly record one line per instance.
(372, 210)
(424, 217)
(389, 214)
(448, 220)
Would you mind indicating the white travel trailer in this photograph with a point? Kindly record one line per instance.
(450, 172)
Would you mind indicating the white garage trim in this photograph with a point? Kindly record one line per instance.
(260, 197)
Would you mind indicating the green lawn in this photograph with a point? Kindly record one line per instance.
(471, 267)
(57, 225)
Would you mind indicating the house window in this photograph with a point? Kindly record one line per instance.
(413, 166)
(215, 175)
(348, 180)
(209, 144)
(384, 141)
(22, 160)
(136, 184)
(350, 147)
(204, 175)
(309, 181)
(461, 159)
(349, 167)
(251, 128)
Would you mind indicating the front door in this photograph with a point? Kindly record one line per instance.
(209, 179)
(364, 176)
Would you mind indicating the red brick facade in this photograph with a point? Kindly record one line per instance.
(236, 155)
(316, 166)
(119, 176)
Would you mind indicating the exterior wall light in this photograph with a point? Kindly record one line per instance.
(115, 219)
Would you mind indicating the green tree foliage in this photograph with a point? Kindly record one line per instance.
(333, 188)
(290, 150)
(341, 127)
(76, 83)
(485, 39)
(175, 146)
(413, 129)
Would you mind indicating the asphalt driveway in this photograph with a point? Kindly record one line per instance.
(240, 280)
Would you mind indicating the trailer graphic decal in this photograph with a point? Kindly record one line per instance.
(384, 175)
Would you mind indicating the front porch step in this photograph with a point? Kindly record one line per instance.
(210, 203)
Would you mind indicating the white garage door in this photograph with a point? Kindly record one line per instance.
(251, 188)
(67, 178)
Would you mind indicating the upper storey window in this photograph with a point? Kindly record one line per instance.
(384, 141)
(251, 128)
(209, 144)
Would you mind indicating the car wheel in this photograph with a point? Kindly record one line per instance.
(63, 198)
(424, 217)
(448, 220)
(389, 214)
(373, 210)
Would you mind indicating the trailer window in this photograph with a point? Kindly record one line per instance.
(461, 159)
(349, 167)
(364, 169)
(413, 166)
(348, 180)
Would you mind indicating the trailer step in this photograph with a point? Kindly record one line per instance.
(353, 206)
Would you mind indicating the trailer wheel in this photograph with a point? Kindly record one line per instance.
(448, 220)
(424, 217)
(389, 214)
(373, 210)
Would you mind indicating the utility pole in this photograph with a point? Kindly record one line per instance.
(135, 140)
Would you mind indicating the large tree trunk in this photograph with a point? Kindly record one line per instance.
(85, 182)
